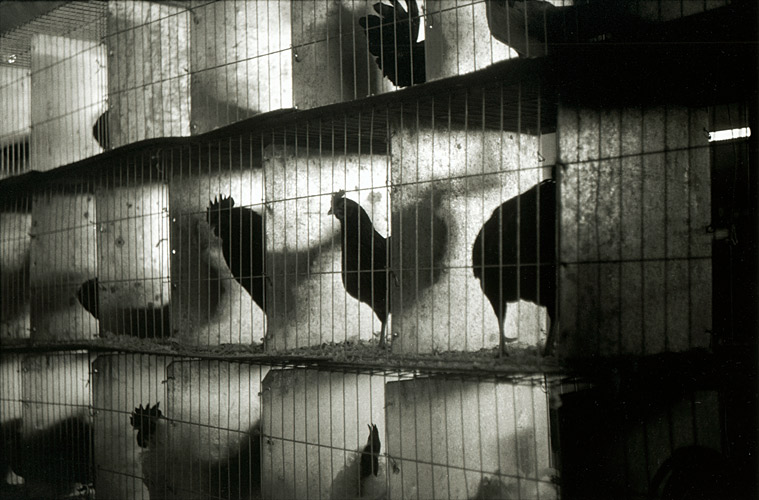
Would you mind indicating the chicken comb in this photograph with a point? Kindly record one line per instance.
(145, 424)
(148, 412)
(221, 202)
(336, 197)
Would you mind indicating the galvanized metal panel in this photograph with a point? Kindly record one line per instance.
(55, 387)
(446, 185)
(16, 126)
(309, 304)
(634, 208)
(457, 38)
(68, 88)
(122, 382)
(10, 380)
(215, 405)
(241, 61)
(63, 256)
(148, 71)
(15, 260)
(453, 438)
(133, 251)
(331, 59)
(314, 428)
(209, 305)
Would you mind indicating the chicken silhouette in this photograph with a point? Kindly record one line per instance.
(159, 471)
(52, 460)
(393, 41)
(534, 28)
(364, 257)
(145, 322)
(370, 456)
(88, 296)
(145, 422)
(369, 463)
(100, 131)
(514, 254)
(242, 242)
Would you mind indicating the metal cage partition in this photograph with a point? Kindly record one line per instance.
(353, 249)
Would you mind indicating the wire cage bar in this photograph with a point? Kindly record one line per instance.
(376, 249)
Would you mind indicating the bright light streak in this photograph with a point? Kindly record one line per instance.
(726, 135)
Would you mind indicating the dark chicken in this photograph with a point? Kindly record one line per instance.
(364, 257)
(535, 27)
(370, 455)
(514, 254)
(52, 461)
(162, 472)
(242, 242)
(100, 131)
(145, 422)
(88, 296)
(393, 41)
(145, 323)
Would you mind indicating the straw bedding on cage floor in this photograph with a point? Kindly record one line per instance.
(362, 355)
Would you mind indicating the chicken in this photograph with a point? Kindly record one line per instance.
(523, 24)
(149, 322)
(393, 41)
(145, 422)
(88, 296)
(9, 448)
(53, 460)
(158, 466)
(372, 484)
(514, 254)
(363, 476)
(100, 131)
(533, 28)
(243, 244)
(364, 257)
(170, 471)
(370, 455)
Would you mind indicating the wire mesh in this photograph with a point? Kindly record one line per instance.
(376, 250)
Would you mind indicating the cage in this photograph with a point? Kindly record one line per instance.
(470, 249)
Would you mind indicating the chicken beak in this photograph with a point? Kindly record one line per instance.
(329, 212)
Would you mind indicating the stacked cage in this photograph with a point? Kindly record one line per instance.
(471, 249)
